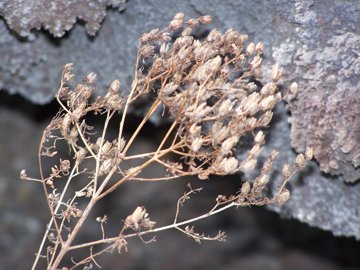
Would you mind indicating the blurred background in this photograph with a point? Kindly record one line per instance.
(317, 43)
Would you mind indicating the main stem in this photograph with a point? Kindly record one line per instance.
(65, 247)
(97, 196)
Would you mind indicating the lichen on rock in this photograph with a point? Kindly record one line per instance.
(325, 114)
(56, 16)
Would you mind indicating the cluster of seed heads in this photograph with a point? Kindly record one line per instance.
(212, 92)
(211, 88)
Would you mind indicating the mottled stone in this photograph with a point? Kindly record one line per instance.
(55, 16)
(325, 62)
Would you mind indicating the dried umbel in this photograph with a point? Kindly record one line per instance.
(210, 93)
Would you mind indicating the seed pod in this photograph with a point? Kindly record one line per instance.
(225, 107)
(193, 23)
(106, 147)
(66, 125)
(144, 38)
(250, 123)
(179, 16)
(263, 180)
(249, 165)
(265, 118)
(268, 89)
(300, 161)
(229, 165)
(195, 130)
(250, 49)
(187, 32)
(105, 166)
(286, 172)
(204, 175)
(259, 138)
(259, 48)
(274, 154)
(80, 155)
(252, 106)
(255, 150)
(228, 144)
(115, 86)
(91, 78)
(78, 213)
(214, 36)
(175, 24)
(67, 73)
(245, 188)
(256, 62)
(268, 103)
(169, 88)
(205, 19)
(146, 51)
(283, 197)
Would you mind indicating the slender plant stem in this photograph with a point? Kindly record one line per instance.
(171, 226)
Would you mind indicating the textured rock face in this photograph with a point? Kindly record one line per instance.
(316, 41)
(57, 16)
(322, 55)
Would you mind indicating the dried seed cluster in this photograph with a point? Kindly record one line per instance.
(211, 88)
(210, 91)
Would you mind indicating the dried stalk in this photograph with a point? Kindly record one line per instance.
(210, 94)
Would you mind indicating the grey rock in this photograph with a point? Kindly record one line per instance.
(316, 198)
(57, 16)
(316, 41)
(322, 55)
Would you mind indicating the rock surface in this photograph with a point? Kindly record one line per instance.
(57, 16)
(316, 41)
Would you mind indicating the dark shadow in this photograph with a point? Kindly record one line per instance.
(38, 113)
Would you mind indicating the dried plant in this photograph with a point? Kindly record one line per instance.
(208, 89)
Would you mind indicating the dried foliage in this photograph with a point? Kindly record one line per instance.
(209, 89)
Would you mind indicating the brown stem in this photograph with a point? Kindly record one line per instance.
(68, 242)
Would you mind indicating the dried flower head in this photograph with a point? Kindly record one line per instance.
(139, 218)
(283, 197)
(212, 92)
(300, 161)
